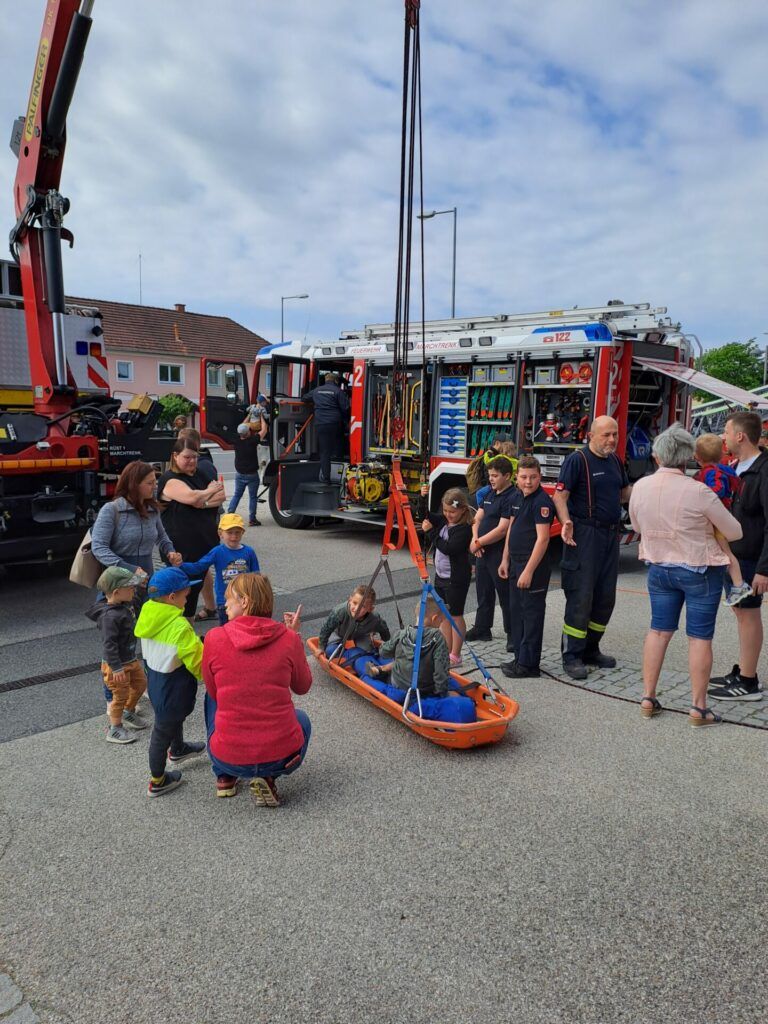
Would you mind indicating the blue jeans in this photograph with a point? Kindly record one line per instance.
(243, 480)
(671, 588)
(270, 769)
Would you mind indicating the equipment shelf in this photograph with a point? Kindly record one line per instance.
(486, 423)
(491, 384)
(563, 387)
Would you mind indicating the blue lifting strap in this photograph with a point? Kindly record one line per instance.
(428, 591)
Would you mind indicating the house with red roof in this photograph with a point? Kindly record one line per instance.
(157, 351)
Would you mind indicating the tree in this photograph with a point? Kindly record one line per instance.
(173, 406)
(738, 362)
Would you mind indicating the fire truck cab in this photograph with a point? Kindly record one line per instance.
(536, 378)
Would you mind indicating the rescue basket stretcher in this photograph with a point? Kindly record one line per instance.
(495, 710)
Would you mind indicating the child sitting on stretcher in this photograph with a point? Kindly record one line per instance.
(397, 656)
(353, 623)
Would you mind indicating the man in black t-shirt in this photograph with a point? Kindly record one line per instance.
(589, 494)
(246, 472)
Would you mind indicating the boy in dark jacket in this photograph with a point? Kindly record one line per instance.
(434, 670)
(353, 623)
(121, 670)
(173, 654)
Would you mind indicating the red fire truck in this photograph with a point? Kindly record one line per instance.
(538, 378)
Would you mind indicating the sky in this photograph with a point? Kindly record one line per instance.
(249, 150)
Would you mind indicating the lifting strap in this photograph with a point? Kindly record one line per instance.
(493, 687)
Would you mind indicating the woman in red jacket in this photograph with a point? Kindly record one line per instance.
(250, 666)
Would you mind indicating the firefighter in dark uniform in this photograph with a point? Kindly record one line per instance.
(525, 563)
(589, 494)
(331, 406)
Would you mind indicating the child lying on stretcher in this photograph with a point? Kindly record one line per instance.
(397, 656)
(355, 624)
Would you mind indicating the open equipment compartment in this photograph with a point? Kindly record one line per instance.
(557, 397)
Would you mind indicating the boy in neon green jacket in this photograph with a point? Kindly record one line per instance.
(173, 655)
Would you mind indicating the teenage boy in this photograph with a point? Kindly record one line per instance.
(750, 507)
(488, 532)
(173, 654)
(121, 670)
(247, 471)
(526, 564)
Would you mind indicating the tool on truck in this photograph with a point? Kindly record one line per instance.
(63, 438)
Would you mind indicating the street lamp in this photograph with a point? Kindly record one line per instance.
(283, 300)
(429, 216)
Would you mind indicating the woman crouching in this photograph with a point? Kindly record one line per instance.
(250, 667)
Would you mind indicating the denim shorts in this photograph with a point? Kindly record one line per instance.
(748, 570)
(671, 588)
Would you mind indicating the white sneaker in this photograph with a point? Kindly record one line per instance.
(736, 594)
(132, 720)
(117, 734)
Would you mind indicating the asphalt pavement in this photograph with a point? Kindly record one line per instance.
(592, 868)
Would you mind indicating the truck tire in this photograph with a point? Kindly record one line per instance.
(286, 519)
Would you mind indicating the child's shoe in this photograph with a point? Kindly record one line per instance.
(455, 659)
(133, 720)
(737, 594)
(226, 785)
(168, 782)
(265, 792)
(117, 734)
(188, 750)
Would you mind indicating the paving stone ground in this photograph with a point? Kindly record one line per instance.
(623, 682)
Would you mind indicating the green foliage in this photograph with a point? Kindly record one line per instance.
(739, 363)
(173, 406)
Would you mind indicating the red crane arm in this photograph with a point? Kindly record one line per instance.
(39, 140)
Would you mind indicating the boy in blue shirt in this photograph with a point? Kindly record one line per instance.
(229, 559)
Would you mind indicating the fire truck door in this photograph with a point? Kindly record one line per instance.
(289, 435)
(224, 400)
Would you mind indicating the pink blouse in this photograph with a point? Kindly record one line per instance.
(676, 518)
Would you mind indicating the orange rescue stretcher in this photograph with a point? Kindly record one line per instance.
(495, 710)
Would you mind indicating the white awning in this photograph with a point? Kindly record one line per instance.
(703, 382)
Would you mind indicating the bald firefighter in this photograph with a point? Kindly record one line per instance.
(592, 486)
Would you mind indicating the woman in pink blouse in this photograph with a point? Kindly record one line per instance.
(677, 518)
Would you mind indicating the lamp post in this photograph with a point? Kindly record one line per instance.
(429, 216)
(283, 300)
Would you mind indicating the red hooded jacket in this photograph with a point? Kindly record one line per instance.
(250, 667)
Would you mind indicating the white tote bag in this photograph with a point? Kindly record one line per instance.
(86, 569)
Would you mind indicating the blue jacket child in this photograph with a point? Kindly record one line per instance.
(229, 559)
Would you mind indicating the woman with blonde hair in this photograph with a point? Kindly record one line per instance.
(250, 668)
(453, 569)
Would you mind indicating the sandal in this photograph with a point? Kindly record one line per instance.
(708, 717)
(204, 614)
(654, 709)
(455, 659)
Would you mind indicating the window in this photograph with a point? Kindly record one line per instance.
(214, 376)
(124, 369)
(170, 373)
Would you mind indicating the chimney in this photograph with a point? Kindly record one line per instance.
(180, 307)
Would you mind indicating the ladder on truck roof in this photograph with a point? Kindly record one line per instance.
(646, 317)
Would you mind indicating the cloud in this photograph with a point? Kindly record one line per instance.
(251, 150)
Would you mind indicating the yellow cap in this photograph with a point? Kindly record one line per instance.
(231, 521)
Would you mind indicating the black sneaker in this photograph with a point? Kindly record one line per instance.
(512, 670)
(475, 636)
(575, 669)
(729, 679)
(601, 660)
(254, 522)
(739, 689)
(188, 750)
(170, 781)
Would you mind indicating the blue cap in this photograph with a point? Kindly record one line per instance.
(168, 581)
